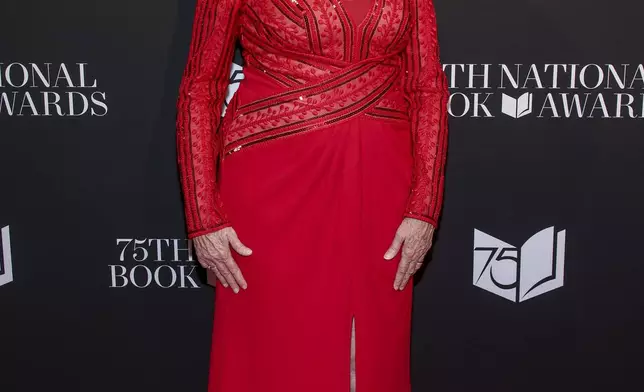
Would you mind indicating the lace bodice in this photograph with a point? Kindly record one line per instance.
(330, 61)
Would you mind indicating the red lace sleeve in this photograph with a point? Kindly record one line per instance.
(426, 86)
(201, 95)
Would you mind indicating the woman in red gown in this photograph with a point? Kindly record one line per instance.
(314, 199)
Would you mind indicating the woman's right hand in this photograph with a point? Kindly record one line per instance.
(213, 253)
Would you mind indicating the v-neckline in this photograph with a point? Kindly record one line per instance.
(360, 26)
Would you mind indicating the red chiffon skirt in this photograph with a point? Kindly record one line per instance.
(319, 210)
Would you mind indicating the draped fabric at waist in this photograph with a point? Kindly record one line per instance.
(370, 87)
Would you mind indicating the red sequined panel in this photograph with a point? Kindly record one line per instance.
(329, 63)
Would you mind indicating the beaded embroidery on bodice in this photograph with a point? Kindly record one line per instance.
(329, 61)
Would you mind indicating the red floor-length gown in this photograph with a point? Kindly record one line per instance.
(337, 132)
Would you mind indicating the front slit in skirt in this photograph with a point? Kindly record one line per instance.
(319, 210)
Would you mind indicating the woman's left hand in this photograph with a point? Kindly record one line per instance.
(415, 237)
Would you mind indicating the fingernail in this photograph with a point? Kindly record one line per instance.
(388, 255)
(245, 286)
(236, 290)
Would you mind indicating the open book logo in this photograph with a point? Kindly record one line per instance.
(516, 107)
(6, 270)
(236, 76)
(521, 273)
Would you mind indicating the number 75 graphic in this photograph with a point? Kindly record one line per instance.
(518, 274)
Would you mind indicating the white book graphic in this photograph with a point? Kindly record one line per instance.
(236, 76)
(516, 107)
(518, 274)
(6, 269)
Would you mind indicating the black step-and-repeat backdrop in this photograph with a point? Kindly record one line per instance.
(535, 279)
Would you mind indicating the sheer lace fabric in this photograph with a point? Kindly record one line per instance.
(329, 61)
